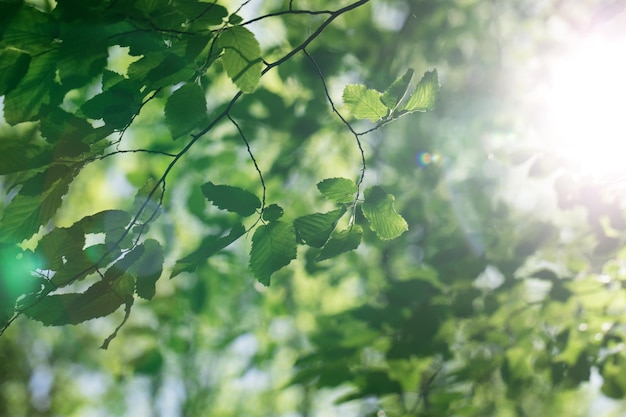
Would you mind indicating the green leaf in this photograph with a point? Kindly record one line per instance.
(36, 89)
(396, 91)
(13, 67)
(344, 241)
(104, 221)
(148, 268)
(341, 190)
(117, 105)
(80, 61)
(272, 213)
(424, 96)
(273, 247)
(379, 211)
(28, 30)
(209, 246)
(35, 204)
(99, 300)
(315, 229)
(233, 199)
(18, 155)
(241, 57)
(59, 246)
(185, 109)
(364, 103)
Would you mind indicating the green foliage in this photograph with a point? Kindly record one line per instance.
(232, 199)
(341, 190)
(185, 109)
(273, 247)
(424, 96)
(408, 290)
(241, 57)
(364, 103)
(379, 211)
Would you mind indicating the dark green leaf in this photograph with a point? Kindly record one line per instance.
(148, 268)
(341, 190)
(104, 221)
(18, 155)
(209, 246)
(344, 241)
(272, 212)
(185, 109)
(235, 19)
(424, 96)
(383, 218)
(396, 91)
(364, 103)
(99, 300)
(36, 89)
(315, 229)
(117, 105)
(241, 57)
(13, 66)
(35, 204)
(233, 199)
(273, 247)
(59, 246)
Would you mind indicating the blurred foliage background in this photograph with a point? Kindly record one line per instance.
(504, 298)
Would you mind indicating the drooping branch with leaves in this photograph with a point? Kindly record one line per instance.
(67, 108)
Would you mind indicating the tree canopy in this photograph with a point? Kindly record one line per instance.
(301, 208)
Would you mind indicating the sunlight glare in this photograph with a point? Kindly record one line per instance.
(587, 115)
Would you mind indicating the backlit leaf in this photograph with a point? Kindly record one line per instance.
(382, 216)
(392, 95)
(273, 247)
(341, 190)
(241, 57)
(424, 96)
(315, 229)
(364, 103)
(233, 199)
(344, 241)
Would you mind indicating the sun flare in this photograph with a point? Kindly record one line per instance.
(586, 106)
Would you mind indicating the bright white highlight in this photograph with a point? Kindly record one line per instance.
(587, 106)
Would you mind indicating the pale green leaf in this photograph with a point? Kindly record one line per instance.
(392, 95)
(315, 229)
(233, 199)
(424, 96)
(364, 103)
(273, 247)
(379, 211)
(185, 109)
(241, 57)
(344, 241)
(341, 190)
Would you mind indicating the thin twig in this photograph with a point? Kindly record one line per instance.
(346, 123)
(256, 165)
